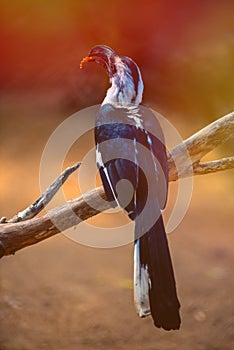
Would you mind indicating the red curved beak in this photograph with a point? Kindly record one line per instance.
(86, 59)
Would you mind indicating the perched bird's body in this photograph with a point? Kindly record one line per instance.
(130, 146)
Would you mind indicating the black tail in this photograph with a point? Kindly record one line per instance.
(154, 275)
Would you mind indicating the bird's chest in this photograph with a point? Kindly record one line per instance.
(118, 123)
(120, 132)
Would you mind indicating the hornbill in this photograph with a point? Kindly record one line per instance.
(130, 146)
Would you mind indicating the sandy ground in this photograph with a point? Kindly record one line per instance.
(61, 295)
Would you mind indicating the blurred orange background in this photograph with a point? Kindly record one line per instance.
(58, 294)
(185, 52)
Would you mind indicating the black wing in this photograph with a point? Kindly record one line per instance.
(137, 154)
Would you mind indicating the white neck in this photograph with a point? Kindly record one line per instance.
(122, 90)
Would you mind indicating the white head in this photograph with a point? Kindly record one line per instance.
(125, 76)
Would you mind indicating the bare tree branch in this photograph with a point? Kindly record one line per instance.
(45, 198)
(213, 166)
(198, 145)
(15, 236)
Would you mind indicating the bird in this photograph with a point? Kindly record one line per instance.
(130, 150)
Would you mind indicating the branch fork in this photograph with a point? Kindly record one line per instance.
(24, 229)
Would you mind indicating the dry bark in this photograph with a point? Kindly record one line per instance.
(24, 230)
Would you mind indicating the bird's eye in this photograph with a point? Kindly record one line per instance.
(113, 68)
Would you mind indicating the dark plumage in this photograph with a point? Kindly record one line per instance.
(130, 146)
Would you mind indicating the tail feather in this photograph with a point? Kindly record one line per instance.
(154, 281)
(141, 284)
